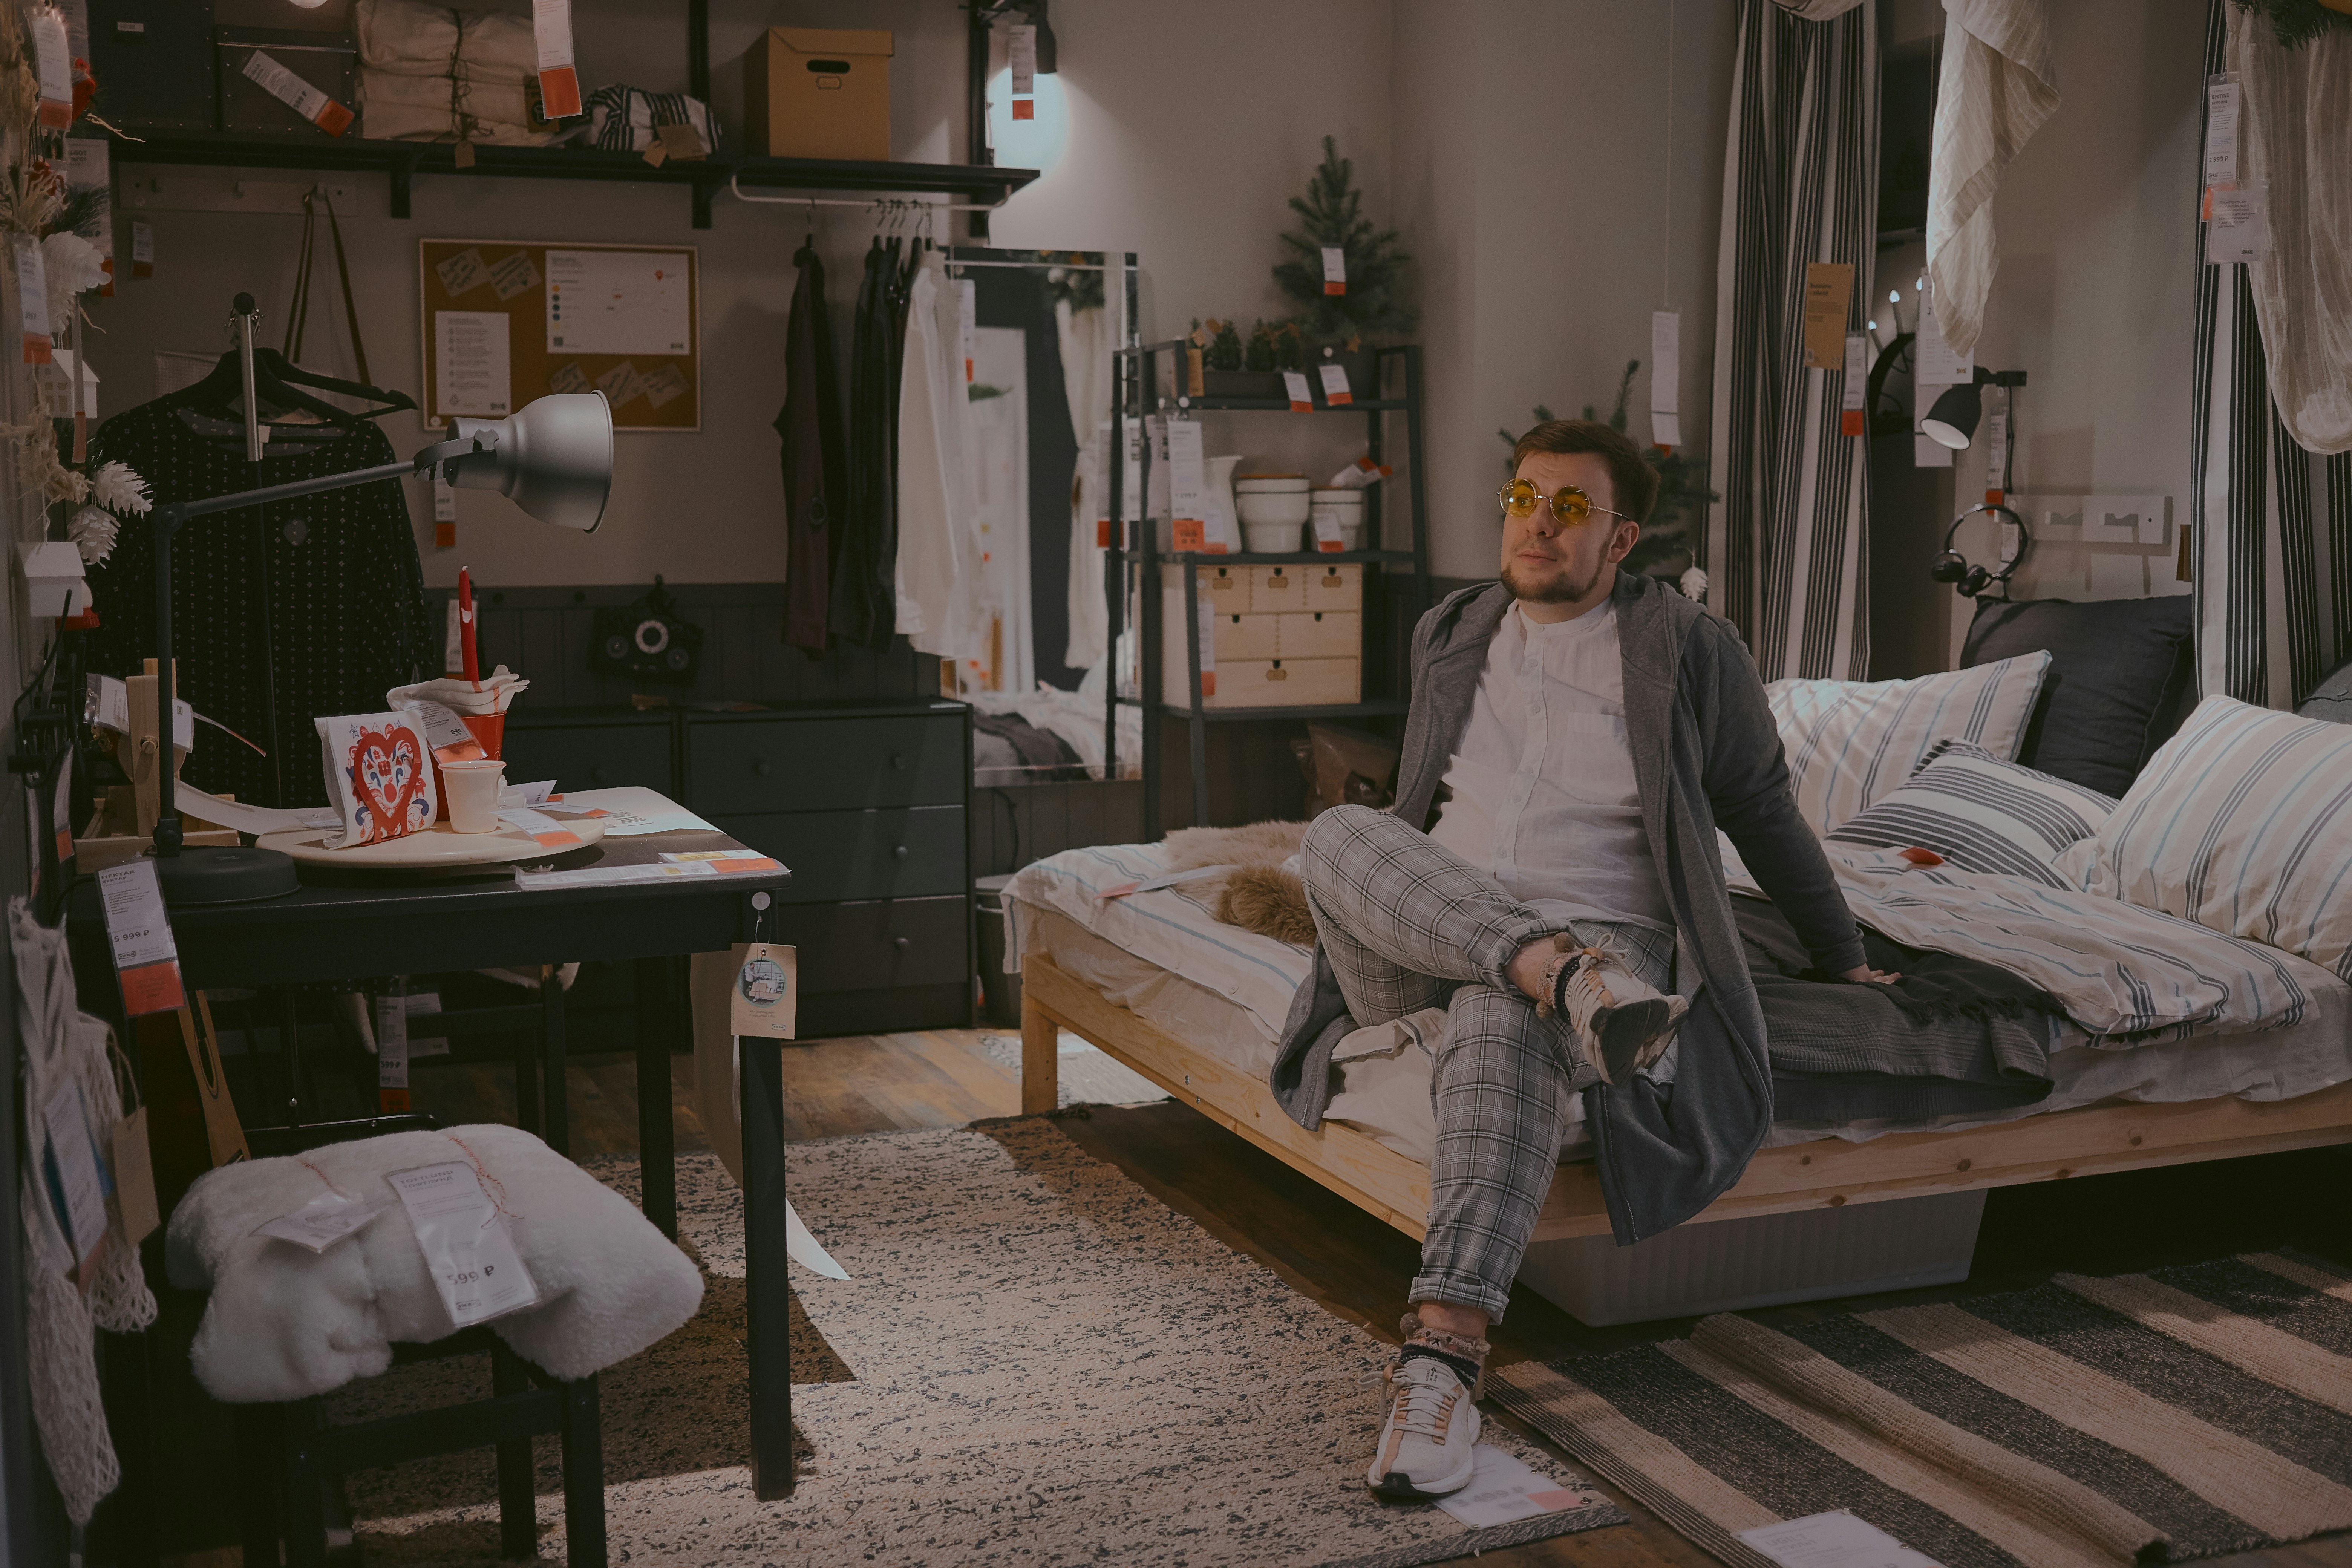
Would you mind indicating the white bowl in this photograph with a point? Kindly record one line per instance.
(1270, 484)
(1271, 538)
(1269, 508)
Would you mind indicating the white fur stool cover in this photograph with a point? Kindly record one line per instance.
(286, 1323)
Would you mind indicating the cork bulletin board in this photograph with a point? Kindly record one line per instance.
(505, 321)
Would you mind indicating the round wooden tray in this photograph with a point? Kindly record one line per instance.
(438, 848)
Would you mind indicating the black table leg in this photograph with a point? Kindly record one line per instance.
(289, 1051)
(526, 1084)
(657, 1145)
(551, 1005)
(518, 1509)
(762, 1107)
(583, 1476)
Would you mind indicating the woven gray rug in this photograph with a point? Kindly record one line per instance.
(1082, 1075)
(1046, 1366)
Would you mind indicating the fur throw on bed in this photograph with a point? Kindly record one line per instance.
(1262, 892)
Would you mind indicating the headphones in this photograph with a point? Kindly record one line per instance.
(1969, 581)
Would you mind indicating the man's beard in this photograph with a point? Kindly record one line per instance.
(1558, 589)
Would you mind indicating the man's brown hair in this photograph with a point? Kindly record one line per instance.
(1633, 483)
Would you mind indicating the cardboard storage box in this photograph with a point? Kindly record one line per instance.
(818, 92)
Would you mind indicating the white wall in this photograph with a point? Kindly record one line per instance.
(1533, 179)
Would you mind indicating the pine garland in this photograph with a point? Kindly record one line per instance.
(1330, 214)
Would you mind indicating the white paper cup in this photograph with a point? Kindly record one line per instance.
(473, 791)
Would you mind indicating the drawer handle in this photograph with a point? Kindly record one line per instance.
(897, 762)
(762, 768)
(900, 852)
(899, 942)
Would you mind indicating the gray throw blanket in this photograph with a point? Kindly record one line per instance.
(1952, 1036)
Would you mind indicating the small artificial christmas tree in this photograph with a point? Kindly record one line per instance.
(1664, 547)
(1330, 214)
(1224, 346)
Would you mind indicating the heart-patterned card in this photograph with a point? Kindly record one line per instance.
(380, 774)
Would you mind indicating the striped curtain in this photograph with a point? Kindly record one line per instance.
(2272, 522)
(1787, 547)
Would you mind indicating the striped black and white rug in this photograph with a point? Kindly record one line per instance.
(2184, 1412)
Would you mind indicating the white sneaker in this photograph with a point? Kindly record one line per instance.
(1621, 1022)
(1426, 1443)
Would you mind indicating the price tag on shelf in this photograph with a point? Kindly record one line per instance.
(1208, 632)
(146, 959)
(1852, 416)
(1294, 381)
(1335, 269)
(1326, 528)
(297, 94)
(1335, 383)
(559, 83)
(1188, 490)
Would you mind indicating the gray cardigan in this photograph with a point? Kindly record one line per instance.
(1706, 755)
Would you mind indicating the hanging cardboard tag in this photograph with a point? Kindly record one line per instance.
(146, 959)
(32, 299)
(1022, 47)
(1829, 293)
(224, 1132)
(2221, 100)
(297, 94)
(462, 154)
(53, 65)
(142, 249)
(681, 141)
(76, 1181)
(1852, 416)
(325, 1219)
(1335, 383)
(1294, 381)
(1335, 269)
(392, 1054)
(559, 83)
(765, 1000)
(475, 1266)
(135, 1214)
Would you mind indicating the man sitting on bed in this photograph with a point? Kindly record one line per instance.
(1577, 735)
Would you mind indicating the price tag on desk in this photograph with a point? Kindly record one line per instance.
(1294, 383)
(724, 860)
(146, 959)
(765, 1000)
(1326, 528)
(464, 1241)
(549, 833)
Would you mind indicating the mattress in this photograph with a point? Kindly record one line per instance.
(1225, 992)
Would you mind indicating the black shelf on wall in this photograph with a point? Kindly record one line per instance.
(1134, 561)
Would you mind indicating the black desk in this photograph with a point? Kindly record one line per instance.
(357, 926)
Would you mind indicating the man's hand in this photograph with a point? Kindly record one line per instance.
(1862, 975)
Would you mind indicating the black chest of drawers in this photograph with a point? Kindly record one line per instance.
(867, 802)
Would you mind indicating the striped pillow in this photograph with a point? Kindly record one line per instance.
(1852, 742)
(2242, 821)
(1982, 813)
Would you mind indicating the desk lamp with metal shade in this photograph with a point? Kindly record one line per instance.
(553, 458)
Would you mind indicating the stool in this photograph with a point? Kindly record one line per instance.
(287, 1453)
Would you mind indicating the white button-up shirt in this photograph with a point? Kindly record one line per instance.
(1541, 795)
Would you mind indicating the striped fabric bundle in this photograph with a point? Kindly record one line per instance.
(2242, 821)
(1852, 742)
(2187, 1412)
(1982, 813)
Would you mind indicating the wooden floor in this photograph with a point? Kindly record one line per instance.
(1358, 1268)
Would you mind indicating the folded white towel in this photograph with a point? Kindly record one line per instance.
(287, 1323)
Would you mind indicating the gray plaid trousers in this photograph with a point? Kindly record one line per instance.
(1407, 922)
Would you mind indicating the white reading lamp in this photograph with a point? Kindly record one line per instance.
(553, 458)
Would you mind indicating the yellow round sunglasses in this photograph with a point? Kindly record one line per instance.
(1570, 504)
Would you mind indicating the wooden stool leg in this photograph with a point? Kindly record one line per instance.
(258, 1464)
(583, 1475)
(302, 1494)
(517, 1504)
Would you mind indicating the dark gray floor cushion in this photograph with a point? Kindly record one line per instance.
(2122, 678)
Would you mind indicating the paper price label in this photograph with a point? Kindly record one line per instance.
(1829, 294)
(1208, 633)
(146, 959)
(136, 1214)
(1665, 361)
(1939, 366)
(1294, 381)
(446, 733)
(1335, 383)
(297, 94)
(475, 1266)
(32, 300)
(392, 1053)
(2221, 102)
(543, 828)
(765, 999)
(1335, 269)
(559, 83)
(1995, 451)
(53, 65)
(1188, 497)
(968, 322)
(1022, 46)
(77, 1183)
(2239, 231)
(1326, 528)
(1852, 418)
(142, 249)
(325, 1219)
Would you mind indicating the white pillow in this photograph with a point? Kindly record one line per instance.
(2242, 821)
(1852, 742)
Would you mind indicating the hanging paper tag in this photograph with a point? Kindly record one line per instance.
(765, 1000)
(1829, 297)
(1023, 41)
(1095, 488)
(968, 322)
(445, 512)
(1335, 383)
(465, 1242)
(1326, 528)
(1294, 381)
(146, 959)
(447, 734)
(559, 84)
(2240, 229)
(1335, 269)
(77, 1185)
(2221, 99)
(135, 1214)
(1361, 474)
(392, 1054)
(1939, 366)
(1666, 372)
(1208, 630)
(88, 169)
(53, 65)
(1188, 497)
(142, 249)
(453, 643)
(1131, 496)
(297, 94)
(1995, 451)
(1851, 418)
(32, 300)
(325, 1219)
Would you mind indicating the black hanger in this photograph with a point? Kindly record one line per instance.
(276, 378)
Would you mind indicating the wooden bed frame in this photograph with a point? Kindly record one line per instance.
(1825, 1174)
